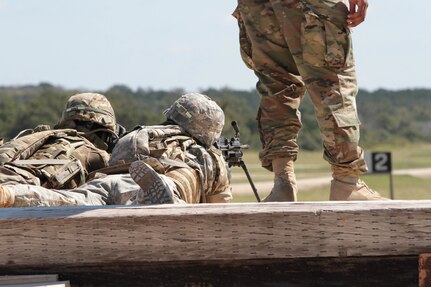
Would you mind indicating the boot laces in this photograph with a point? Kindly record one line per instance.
(362, 184)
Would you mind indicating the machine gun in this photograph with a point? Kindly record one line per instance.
(232, 153)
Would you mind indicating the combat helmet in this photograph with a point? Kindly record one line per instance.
(91, 108)
(198, 115)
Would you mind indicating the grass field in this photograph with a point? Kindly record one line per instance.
(311, 165)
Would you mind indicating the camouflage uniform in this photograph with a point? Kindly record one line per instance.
(199, 173)
(298, 45)
(58, 159)
(191, 167)
(180, 153)
(107, 189)
(63, 157)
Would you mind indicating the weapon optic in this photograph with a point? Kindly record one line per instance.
(232, 153)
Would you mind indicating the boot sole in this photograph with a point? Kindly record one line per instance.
(154, 189)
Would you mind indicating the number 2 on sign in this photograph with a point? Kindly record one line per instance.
(381, 162)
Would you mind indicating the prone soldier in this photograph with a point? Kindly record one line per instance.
(175, 162)
(60, 158)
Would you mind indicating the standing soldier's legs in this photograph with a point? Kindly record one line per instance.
(282, 39)
(324, 57)
(281, 89)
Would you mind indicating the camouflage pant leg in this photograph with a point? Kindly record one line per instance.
(112, 189)
(320, 46)
(281, 89)
(326, 63)
(186, 184)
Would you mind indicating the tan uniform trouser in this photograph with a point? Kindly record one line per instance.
(187, 184)
(293, 46)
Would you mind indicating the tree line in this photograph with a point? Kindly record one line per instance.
(388, 117)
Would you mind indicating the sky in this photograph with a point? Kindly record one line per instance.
(190, 44)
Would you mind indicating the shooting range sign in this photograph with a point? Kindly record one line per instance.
(379, 162)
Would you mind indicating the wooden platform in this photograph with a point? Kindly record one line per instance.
(49, 280)
(253, 244)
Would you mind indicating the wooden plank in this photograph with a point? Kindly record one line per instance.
(385, 271)
(41, 284)
(22, 279)
(40, 280)
(425, 270)
(227, 232)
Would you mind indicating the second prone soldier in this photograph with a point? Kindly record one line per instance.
(175, 162)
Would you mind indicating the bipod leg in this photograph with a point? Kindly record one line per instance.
(244, 167)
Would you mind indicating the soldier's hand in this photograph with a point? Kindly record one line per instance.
(357, 12)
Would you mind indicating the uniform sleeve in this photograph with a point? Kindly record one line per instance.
(96, 159)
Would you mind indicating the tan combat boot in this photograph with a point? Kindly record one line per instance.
(284, 181)
(352, 188)
(154, 189)
(7, 198)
